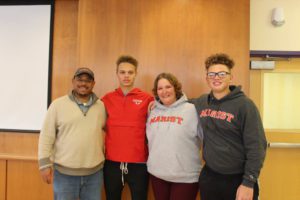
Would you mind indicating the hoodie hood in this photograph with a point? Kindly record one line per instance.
(177, 103)
(235, 92)
(93, 95)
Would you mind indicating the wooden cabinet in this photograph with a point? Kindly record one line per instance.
(20, 179)
(24, 181)
(2, 179)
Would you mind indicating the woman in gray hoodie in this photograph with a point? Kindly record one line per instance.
(174, 137)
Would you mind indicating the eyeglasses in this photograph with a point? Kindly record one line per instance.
(221, 74)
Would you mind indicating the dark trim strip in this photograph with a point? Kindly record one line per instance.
(265, 54)
(26, 2)
(50, 54)
(19, 131)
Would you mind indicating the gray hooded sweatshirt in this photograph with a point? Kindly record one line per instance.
(174, 136)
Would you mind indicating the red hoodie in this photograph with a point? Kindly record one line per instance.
(125, 139)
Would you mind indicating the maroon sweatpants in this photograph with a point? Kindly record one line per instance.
(165, 190)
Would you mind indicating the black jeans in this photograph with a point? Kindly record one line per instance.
(216, 186)
(137, 179)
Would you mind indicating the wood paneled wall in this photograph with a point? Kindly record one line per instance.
(64, 46)
(171, 35)
(2, 179)
(24, 182)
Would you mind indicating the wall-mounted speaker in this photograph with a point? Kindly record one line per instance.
(278, 18)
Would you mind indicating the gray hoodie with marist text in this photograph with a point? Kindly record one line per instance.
(174, 137)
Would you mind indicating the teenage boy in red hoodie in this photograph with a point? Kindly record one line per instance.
(125, 141)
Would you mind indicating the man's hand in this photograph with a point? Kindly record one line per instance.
(244, 193)
(47, 175)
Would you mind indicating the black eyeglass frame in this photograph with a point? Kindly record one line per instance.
(221, 74)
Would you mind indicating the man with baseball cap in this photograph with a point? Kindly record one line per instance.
(86, 71)
(70, 148)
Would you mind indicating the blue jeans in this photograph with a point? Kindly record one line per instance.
(77, 187)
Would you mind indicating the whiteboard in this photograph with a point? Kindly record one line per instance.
(25, 66)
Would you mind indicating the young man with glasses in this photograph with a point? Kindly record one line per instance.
(234, 144)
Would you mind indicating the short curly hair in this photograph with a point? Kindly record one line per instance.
(174, 82)
(219, 58)
(127, 59)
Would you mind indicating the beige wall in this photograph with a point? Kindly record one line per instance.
(265, 36)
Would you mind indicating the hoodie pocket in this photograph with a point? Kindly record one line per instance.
(224, 159)
(188, 164)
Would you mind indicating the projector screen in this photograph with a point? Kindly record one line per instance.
(25, 63)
